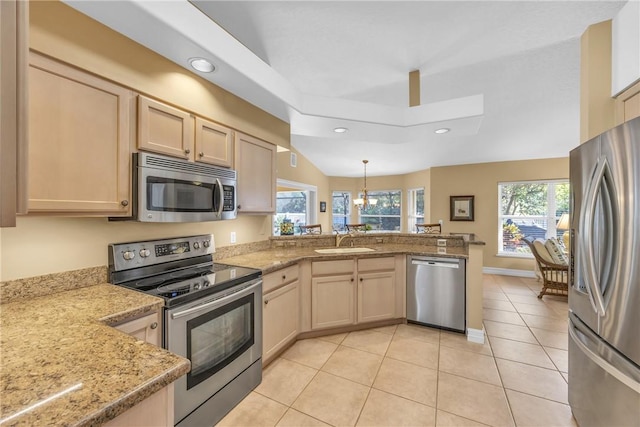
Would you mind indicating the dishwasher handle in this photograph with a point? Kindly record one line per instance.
(445, 264)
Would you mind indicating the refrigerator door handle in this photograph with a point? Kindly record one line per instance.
(588, 260)
(587, 344)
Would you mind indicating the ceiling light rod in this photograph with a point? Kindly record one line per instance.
(365, 201)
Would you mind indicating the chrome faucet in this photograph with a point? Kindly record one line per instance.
(341, 237)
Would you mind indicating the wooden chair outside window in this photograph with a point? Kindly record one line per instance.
(311, 229)
(429, 228)
(553, 272)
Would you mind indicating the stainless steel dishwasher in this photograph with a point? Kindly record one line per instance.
(436, 292)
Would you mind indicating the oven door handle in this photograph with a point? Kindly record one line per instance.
(204, 306)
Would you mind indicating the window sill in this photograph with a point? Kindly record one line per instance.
(514, 255)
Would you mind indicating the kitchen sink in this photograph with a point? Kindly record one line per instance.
(343, 250)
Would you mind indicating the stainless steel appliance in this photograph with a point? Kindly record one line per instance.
(436, 292)
(174, 190)
(604, 291)
(212, 316)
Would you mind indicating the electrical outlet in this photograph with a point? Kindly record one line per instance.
(440, 222)
(442, 242)
(442, 250)
(379, 240)
(233, 237)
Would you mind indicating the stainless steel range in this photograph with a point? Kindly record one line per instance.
(212, 316)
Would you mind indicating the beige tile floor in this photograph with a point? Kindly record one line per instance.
(408, 375)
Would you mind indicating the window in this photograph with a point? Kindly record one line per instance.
(341, 209)
(415, 203)
(294, 203)
(529, 209)
(385, 215)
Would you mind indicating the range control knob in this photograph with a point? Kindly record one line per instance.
(196, 245)
(197, 286)
(206, 243)
(206, 284)
(128, 255)
(144, 253)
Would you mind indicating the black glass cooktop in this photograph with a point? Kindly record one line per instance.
(182, 286)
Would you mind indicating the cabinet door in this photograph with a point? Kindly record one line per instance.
(376, 296)
(280, 319)
(332, 301)
(164, 129)
(256, 165)
(214, 143)
(79, 141)
(156, 410)
(145, 328)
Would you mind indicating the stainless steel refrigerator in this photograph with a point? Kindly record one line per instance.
(604, 278)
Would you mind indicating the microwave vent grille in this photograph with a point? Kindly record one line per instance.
(183, 166)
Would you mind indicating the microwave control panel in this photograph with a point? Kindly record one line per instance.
(228, 203)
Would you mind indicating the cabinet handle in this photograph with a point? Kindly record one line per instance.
(266, 302)
(154, 325)
(124, 203)
(352, 279)
(201, 154)
(361, 279)
(187, 151)
(284, 277)
(239, 207)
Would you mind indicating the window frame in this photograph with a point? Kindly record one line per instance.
(311, 194)
(399, 216)
(412, 200)
(348, 207)
(550, 217)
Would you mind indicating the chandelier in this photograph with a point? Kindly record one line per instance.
(365, 201)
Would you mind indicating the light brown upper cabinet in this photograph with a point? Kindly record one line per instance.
(628, 104)
(255, 162)
(164, 129)
(168, 130)
(79, 141)
(214, 143)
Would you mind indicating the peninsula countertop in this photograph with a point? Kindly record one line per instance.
(273, 259)
(62, 363)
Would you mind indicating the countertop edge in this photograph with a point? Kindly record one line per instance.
(136, 396)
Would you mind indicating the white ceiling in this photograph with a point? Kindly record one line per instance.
(503, 75)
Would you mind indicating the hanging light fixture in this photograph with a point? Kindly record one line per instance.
(365, 201)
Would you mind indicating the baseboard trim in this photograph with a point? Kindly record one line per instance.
(475, 335)
(509, 272)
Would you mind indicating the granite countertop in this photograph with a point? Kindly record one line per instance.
(274, 259)
(63, 364)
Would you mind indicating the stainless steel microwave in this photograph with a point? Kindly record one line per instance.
(174, 190)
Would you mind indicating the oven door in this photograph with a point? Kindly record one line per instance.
(221, 335)
(170, 196)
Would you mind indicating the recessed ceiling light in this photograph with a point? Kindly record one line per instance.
(442, 130)
(201, 64)
(340, 130)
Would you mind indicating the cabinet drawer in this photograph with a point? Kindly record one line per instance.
(376, 264)
(319, 268)
(278, 278)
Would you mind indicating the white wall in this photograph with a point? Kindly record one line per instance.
(625, 47)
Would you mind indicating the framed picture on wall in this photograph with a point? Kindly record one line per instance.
(323, 206)
(461, 208)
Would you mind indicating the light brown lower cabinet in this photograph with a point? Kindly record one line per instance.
(347, 292)
(156, 410)
(332, 301)
(146, 328)
(280, 319)
(376, 289)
